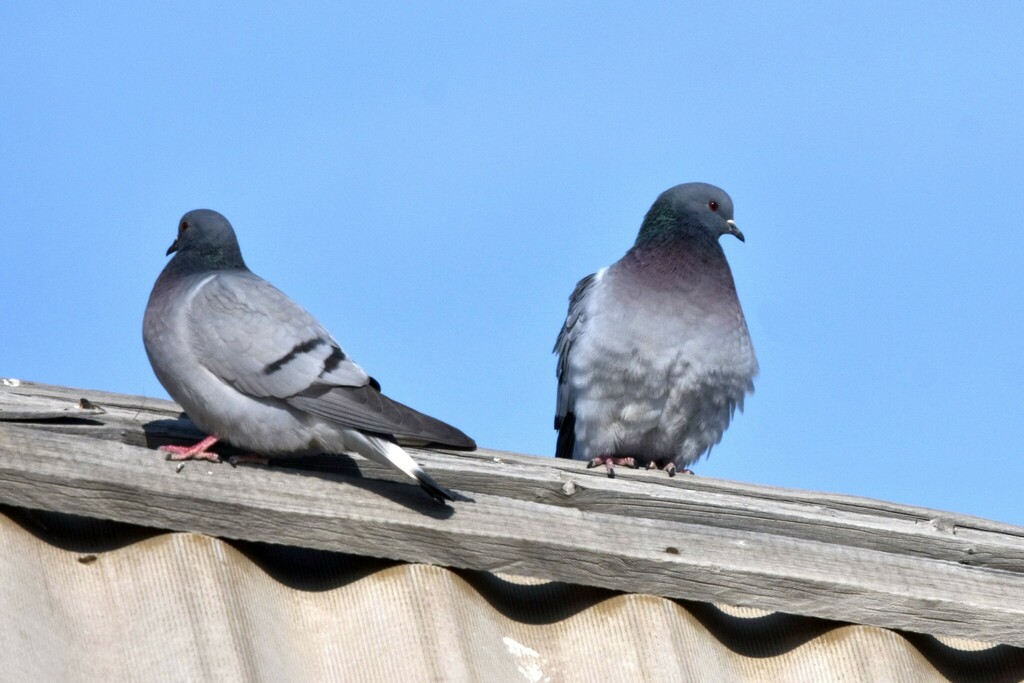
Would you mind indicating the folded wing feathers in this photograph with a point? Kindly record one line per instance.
(571, 329)
(252, 336)
(266, 345)
(367, 409)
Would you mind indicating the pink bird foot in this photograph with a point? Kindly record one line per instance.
(667, 465)
(610, 461)
(196, 452)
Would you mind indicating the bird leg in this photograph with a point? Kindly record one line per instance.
(610, 461)
(196, 452)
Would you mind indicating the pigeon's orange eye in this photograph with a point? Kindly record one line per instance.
(713, 205)
(184, 226)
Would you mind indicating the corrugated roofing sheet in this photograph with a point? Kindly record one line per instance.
(89, 600)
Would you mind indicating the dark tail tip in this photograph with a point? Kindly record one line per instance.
(433, 489)
(454, 438)
(566, 436)
(463, 443)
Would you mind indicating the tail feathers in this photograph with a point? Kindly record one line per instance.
(433, 489)
(365, 408)
(566, 444)
(390, 453)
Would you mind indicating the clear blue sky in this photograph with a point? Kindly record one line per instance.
(432, 179)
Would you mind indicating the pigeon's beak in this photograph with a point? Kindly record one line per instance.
(733, 230)
(174, 247)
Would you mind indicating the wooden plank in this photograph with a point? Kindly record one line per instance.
(142, 406)
(838, 557)
(861, 523)
(99, 478)
(15, 407)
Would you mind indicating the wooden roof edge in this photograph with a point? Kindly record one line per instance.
(837, 557)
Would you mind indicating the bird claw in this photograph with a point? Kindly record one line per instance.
(610, 461)
(195, 452)
(184, 454)
(669, 466)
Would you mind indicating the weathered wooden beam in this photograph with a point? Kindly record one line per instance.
(694, 538)
(829, 518)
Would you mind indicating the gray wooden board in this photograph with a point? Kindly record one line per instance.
(29, 407)
(849, 520)
(837, 557)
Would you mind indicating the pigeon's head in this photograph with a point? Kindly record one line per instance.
(689, 209)
(207, 236)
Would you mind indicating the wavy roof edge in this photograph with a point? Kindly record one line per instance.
(88, 601)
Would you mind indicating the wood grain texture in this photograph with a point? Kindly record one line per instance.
(837, 557)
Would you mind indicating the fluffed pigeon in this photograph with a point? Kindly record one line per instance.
(252, 367)
(654, 356)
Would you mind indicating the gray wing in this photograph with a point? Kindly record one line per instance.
(252, 336)
(575, 322)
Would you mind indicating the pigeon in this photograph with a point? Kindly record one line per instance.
(253, 368)
(654, 356)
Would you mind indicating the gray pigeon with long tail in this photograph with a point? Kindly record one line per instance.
(253, 368)
(654, 356)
